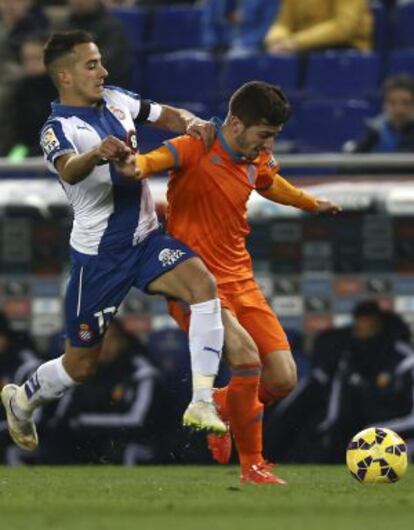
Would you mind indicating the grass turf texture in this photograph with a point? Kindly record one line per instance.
(198, 498)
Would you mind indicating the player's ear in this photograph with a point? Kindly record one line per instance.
(235, 124)
(64, 78)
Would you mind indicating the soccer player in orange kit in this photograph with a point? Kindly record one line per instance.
(207, 210)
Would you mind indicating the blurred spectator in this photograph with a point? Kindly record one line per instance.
(305, 25)
(16, 356)
(17, 361)
(120, 416)
(374, 380)
(361, 374)
(236, 23)
(109, 34)
(393, 130)
(19, 19)
(30, 101)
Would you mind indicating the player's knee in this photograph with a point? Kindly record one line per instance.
(242, 354)
(203, 287)
(282, 384)
(81, 366)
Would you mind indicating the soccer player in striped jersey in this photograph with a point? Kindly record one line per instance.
(116, 241)
(207, 210)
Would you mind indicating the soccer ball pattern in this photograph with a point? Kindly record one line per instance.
(377, 455)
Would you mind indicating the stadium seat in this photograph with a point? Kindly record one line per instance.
(342, 74)
(404, 25)
(176, 28)
(325, 125)
(182, 76)
(401, 61)
(381, 25)
(239, 68)
(135, 23)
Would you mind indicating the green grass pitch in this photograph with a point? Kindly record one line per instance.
(198, 498)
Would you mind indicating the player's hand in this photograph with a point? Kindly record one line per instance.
(205, 130)
(112, 148)
(127, 167)
(325, 206)
(283, 46)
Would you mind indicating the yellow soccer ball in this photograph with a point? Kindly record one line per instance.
(377, 455)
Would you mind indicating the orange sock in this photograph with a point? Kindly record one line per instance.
(245, 413)
(220, 398)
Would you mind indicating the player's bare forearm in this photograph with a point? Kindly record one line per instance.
(74, 168)
(184, 122)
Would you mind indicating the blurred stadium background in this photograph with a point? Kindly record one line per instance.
(314, 270)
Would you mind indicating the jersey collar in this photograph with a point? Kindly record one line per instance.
(236, 157)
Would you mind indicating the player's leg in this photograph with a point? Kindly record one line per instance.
(278, 366)
(239, 402)
(279, 376)
(191, 282)
(48, 383)
(93, 293)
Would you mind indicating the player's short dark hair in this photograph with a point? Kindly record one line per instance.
(62, 43)
(257, 102)
(398, 82)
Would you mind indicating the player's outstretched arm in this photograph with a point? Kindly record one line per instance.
(184, 122)
(74, 168)
(282, 192)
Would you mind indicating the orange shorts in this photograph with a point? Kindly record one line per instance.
(248, 304)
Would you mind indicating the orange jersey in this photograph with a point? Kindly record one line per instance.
(207, 204)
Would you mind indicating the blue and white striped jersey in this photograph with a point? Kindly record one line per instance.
(109, 211)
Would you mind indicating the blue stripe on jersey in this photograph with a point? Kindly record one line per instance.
(123, 221)
(174, 152)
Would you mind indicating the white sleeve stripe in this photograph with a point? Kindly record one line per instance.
(155, 112)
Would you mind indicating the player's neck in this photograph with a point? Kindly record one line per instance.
(74, 100)
(227, 135)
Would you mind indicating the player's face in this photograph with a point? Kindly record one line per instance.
(251, 141)
(399, 106)
(84, 77)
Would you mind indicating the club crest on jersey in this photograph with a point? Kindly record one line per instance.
(272, 164)
(85, 333)
(49, 141)
(168, 256)
(118, 113)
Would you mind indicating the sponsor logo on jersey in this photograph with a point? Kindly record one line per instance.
(85, 333)
(118, 113)
(168, 256)
(49, 141)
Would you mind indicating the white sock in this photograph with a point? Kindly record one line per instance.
(206, 336)
(49, 382)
